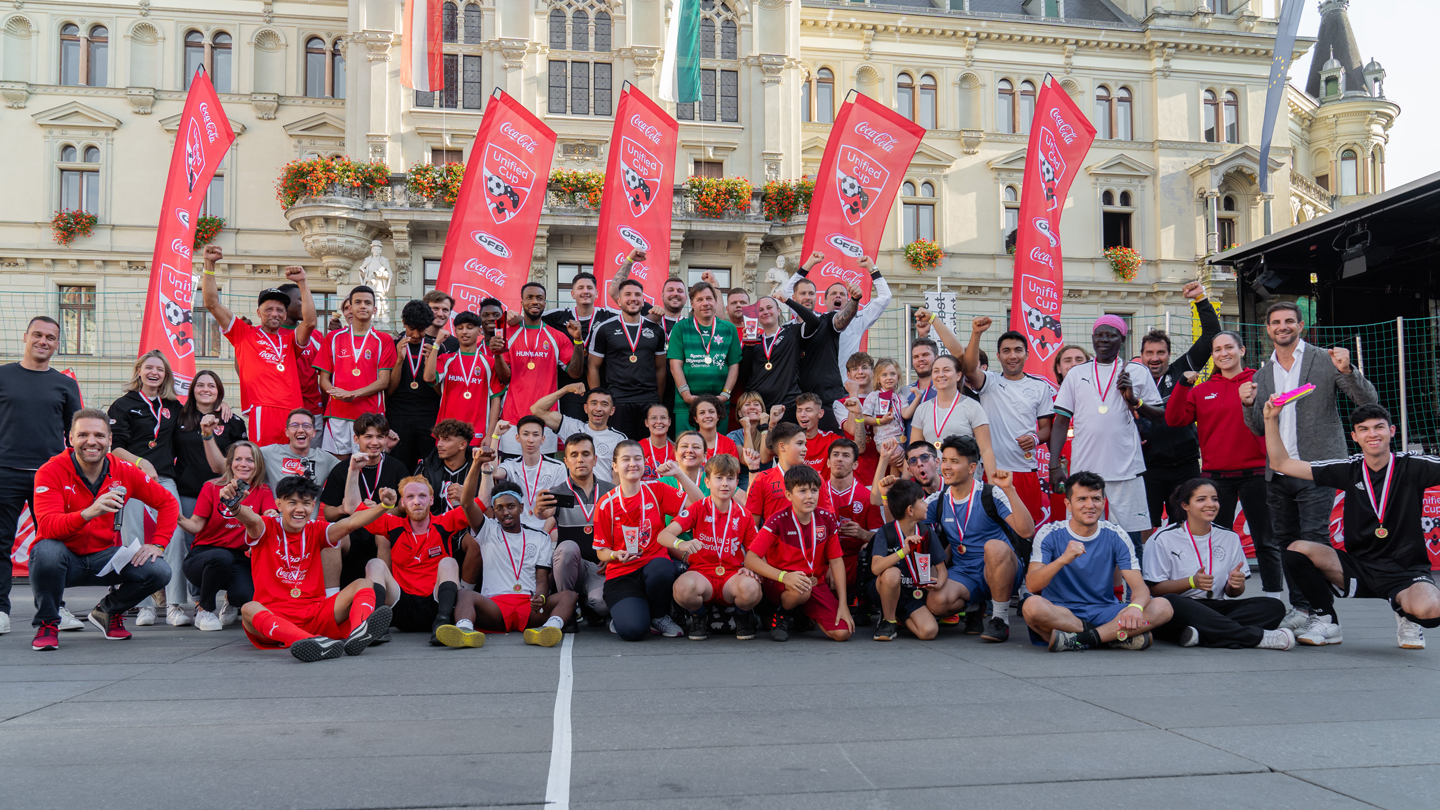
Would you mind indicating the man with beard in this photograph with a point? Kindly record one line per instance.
(631, 350)
(1309, 431)
(770, 366)
(585, 313)
(537, 352)
(672, 295)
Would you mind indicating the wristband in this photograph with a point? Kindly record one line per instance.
(782, 577)
(724, 390)
(577, 342)
(209, 272)
(901, 552)
(1137, 607)
(684, 389)
(1192, 581)
(207, 438)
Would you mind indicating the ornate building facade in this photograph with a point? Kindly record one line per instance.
(1176, 89)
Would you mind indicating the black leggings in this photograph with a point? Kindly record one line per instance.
(212, 569)
(636, 598)
(416, 442)
(1249, 491)
(1233, 623)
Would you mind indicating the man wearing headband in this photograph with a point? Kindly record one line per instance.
(1101, 400)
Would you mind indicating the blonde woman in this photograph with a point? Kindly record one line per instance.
(217, 560)
(143, 423)
(750, 413)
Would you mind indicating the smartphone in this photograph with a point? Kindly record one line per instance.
(564, 500)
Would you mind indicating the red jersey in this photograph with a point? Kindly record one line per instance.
(817, 452)
(354, 361)
(267, 365)
(222, 528)
(415, 561)
(305, 368)
(724, 534)
(465, 382)
(286, 568)
(790, 545)
(1226, 442)
(61, 494)
(851, 504)
(767, 493)
(654, 457)
(638, 519)
(723, 445)
(536, 354)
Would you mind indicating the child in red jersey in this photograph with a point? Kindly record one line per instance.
(469, 380)
(793, 552)
(721, 530)
(786, 440)
(290, 607)
(809, 410)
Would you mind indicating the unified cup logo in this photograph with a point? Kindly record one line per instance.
(468, 298)
(860, 179)
(491, 243)
(176, 309)
(845, 245)
(1051, 167)
(1040, 298)
(641, 172)
(508, 181)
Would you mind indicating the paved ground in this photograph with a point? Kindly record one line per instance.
(181, 719)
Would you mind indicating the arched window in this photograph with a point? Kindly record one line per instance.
(69, 154)
(337, 70)
(1011, 203)
(907, 189)
(905, 96)
(97, 45)
(1125, 199)
(1232, 117)
(315, 53)
(195, 52)
(602, 32)
(80, 179)
(84, 58)
(472, 23)
(1108, 198)
(1115, 220)
(1229, 202)
(1349, 180)
(1212, 117)
(1102, 113)
(825, 96)
(1027, 105)
(928, 109)
(221, 62)
(557, 30)
(1123, 118)
(449, 24)
(1228, 223)
(918, 218)
(580, 30)
(729, 40)
(927, 190)
(1005, 106)
(707, 38)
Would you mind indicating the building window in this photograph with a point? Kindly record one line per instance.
(726, 109)
(1011, 205)
(1227, 224)
(905, 96)
(919, 211)
(449, 27)
(1102, 113)
(1232, 118)
(714, 169)
(1323, 181)
(214, 204)
(721, 274)
(928, 102)
(80, 179)
(1212, 117)
(337, 70)
(84, 59)
(206, 330)
(315, 73)
(580, 87)
(77, 320)
(1377, 170)
(565, 275)
(1027, 105)
(1124, 126)
(1349, 175)
(440, 157)
(602, 32)
(472, 23)
(328, 304)
(557, 30)
(1112, 113)
(1005, 107)
(1116, 214)
(822, 90)
(580, 31)
(432, 274)
(916, 103)
(462, 85)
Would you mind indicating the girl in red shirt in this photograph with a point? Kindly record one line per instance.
(218, 560)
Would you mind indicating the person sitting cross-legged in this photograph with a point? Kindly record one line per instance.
(905, 553)
(1072, 575)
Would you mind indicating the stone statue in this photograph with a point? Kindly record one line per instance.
(375, 273)
(777, 275)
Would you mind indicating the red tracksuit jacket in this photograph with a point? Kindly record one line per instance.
(61, 494)
(1226, 442)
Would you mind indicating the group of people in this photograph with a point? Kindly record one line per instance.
(659, 472)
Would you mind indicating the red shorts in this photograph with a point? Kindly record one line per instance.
(317, 621)
(267, 424)
(717, 582)
(821, 606)
(515, 609)
(1027, 486)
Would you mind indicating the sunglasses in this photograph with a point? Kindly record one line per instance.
(920, 459)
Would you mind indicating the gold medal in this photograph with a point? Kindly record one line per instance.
(589, 529)
(719, 570)
(152, 445)
(294, 593)
(937, 446)
(768, 367)
(1104, 409)
(960, 549)
(1382, 532)
(414, 384)
(919, 594)
(515, 587)
(530, 366)
(355, 372)
(634, 359)
(279, 366)
(467, 395)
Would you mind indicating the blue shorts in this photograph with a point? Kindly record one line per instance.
(1096, 615)
(974, 582)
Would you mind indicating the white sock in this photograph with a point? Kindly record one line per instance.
(1001, 609)
(467, 586)
(465, 624)
(329, 592)
(554, 621)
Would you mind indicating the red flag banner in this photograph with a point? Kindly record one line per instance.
(200, 143)
(869, 149)
(492, 232)
(422, 57)
(1060, 135)
(635, 209)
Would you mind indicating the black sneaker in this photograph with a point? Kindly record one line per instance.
(318, 648)
(780, 626)
(364, 633)
(697, 626)
(886, 630)
(745, 625)
(571, 626)
(974, 622)
(996, 631)
(381, 638)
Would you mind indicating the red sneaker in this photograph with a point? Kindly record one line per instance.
(47, 636)
(112, 624)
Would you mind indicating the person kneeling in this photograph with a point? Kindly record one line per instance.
(905, 553)
(721, 530)
(1206, 610)
(1072, 576)
(515, 579)
(794, 568)
(290, 607)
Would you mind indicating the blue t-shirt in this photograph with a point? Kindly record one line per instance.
(979, 529)
(1090, 578)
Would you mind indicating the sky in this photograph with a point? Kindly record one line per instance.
(1397, 33)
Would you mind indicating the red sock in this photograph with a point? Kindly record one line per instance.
(270, 626)
(362, 606)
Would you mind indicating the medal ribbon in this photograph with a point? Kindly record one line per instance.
(655, 465)
(369, 490)
(277, 346)
(634, 344)
(1114, 370)
(530, 490)
(505, 537)
(580, 502)
(414, 365)
(960, 524)
(800, 535)
(910, 562)
(1384, 493)
(625, 509)
(706, 344)
(474, 358)
(364, 339)
(1209, 542)
(770, 345)
(724, 538)
(156, 411)
(935, 420)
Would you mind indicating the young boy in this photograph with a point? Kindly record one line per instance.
(852, 504)
(767, 489)
(534, 473)
(722, 531)
(906, 552)
(809, 410)
(516, 578)
(469, 381)
(290, 607)
(792, 553)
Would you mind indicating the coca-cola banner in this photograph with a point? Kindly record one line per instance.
(492, 233)
(1060, 135)
(869, 149)
(635, 209)
(200, 144)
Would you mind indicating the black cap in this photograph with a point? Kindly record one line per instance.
(274, 294)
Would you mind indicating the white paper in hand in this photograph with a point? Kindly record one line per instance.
(122, 557)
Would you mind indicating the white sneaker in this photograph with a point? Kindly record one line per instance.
(175, 616)
(612, 626)
(228, 615)
(1409, 634)
(666, 627)
(145, 617)
(69, 622)
(1319, 632)
(4, 623)
(1282, 639)
(1189, 637)
(205, 620)
(1295, 620)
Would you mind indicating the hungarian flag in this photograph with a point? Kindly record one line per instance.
(422, 60)
(680, 69)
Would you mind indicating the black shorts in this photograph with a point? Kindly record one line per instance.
(906, 605)
(632, 584)
(414, 614)
(1366, 579)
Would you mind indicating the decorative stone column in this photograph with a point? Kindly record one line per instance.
(335, 230)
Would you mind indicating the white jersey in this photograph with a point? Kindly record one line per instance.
(504, 553)
(1014, 406)
(534, 480)
(605, 441)
(1107, 444)
(1173, 553)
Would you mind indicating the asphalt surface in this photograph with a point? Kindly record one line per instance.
(177, 718)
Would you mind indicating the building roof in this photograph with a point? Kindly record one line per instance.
(1337, 38)
(1095, 11)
